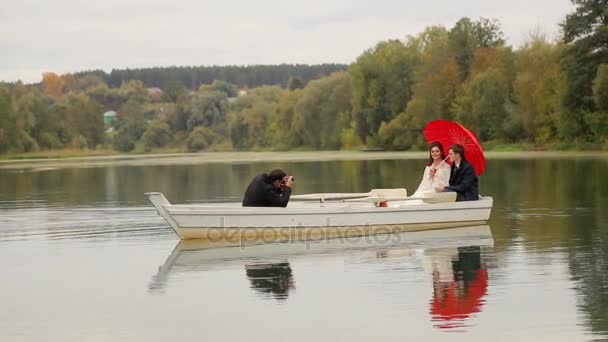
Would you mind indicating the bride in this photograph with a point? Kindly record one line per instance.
(437, 171)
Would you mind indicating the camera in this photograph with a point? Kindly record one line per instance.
(286, 178)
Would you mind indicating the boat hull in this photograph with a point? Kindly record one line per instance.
(314, 220)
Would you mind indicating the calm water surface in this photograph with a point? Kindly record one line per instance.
(85, 258)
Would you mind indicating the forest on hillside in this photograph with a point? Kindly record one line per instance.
(544, 94)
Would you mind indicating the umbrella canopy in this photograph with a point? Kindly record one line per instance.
(449, 133)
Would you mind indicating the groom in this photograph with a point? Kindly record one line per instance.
(463, 179)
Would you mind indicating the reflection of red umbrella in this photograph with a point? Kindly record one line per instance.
(449, 133)
(457, 303)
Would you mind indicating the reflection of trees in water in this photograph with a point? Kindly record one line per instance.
(574, 190)
(457, 298)
(589, 261)
(275, 279)
(589, 267)
(585, 182)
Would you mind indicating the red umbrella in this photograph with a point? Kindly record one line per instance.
(449, 133)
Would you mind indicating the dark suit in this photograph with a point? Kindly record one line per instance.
(463, 180)
(262, 193)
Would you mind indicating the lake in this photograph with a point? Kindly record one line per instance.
(85, 258)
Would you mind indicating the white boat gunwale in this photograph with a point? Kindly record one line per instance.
(176, 210)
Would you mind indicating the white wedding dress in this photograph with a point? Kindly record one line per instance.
(430, 182)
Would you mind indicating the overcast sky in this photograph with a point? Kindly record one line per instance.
(73, 35)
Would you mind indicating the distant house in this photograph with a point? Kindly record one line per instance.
(109, 116)
(155, 93)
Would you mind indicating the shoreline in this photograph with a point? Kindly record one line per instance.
(248, 157)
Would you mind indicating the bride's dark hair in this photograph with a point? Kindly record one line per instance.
(440, 147)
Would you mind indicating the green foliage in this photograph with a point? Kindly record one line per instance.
(600, 88)
(124, 141)
(207, 109)
(585, 31)
(131, 119)
(282, 132)
(158, 134)
(598, 126)
(24, 142)
(6, 122)
(587, 28)
(85, 117)
(323, 110)
(382, 81)
(50, 142)
(252, 119)
(481, 107)
(399, 133)
(174, 90)
(200, 138)
(229, 89)
(243, 76)
(543, 94)
(295, 83)
(467, 36)
(79, 142)
(538, 89)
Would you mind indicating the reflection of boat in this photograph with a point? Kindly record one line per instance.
(461, 294)
(305, 220)
(203, 255)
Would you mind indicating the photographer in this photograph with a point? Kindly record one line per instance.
(269, 190)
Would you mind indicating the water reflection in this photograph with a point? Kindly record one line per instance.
(460, 282)
(550, 228)
(275, 279)
(269, 268)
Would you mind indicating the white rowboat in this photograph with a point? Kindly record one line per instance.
(313, 220)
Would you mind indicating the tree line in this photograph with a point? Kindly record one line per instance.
(546, 93)
(194, 76)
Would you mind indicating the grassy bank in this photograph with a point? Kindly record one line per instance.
(139, 150)
(278, 158)
(58, 154)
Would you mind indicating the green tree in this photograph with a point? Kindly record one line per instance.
(250, 121)
(124, 140)
(174, 91)
(131, 125)
(201, 138)
(481, 107)
(207, 109)
(467, 36)
(6, 120)
(382, 81)
(295, 83)
(229, 89)
(33, 109)
(598, 121)
(586, 35)
(85, 117)
(600, 88)
(282, 132)
(323, 111)
(158, 134)
(538, 89)
(133, 90)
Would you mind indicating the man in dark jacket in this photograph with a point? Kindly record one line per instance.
(269, 190)
(463, 179)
